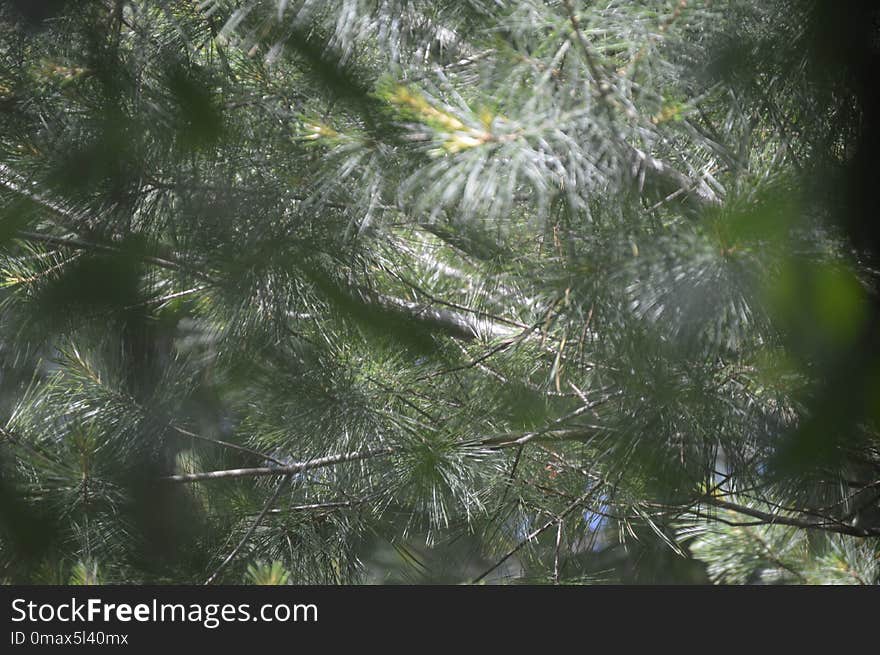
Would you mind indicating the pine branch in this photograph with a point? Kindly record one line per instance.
(777, 519)
(455, 324)
(534, 535)
(90, 246)
(668, 180)
(459, 325)
(289, 469)
(251, 530)
(13, 181)
(597, 75)
(495, 442)
(226, 444)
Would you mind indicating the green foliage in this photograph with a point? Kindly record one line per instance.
(85, 574)
(737, 552)
(267, 574)
(409, 291)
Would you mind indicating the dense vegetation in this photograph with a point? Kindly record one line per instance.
(329, 291)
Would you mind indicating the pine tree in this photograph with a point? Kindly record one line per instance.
(476, 291)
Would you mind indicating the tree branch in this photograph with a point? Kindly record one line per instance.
(495, 442)
(91, 246)
(776, 519)
(13, 181)
(456, 324)
(289, 469)
(669, 180)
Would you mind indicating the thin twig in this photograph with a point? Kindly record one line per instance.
(776, 519)
(598, 78)
(288, 469)
(534, 535)
(227, 444)
(556, 556)
(250, 531)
